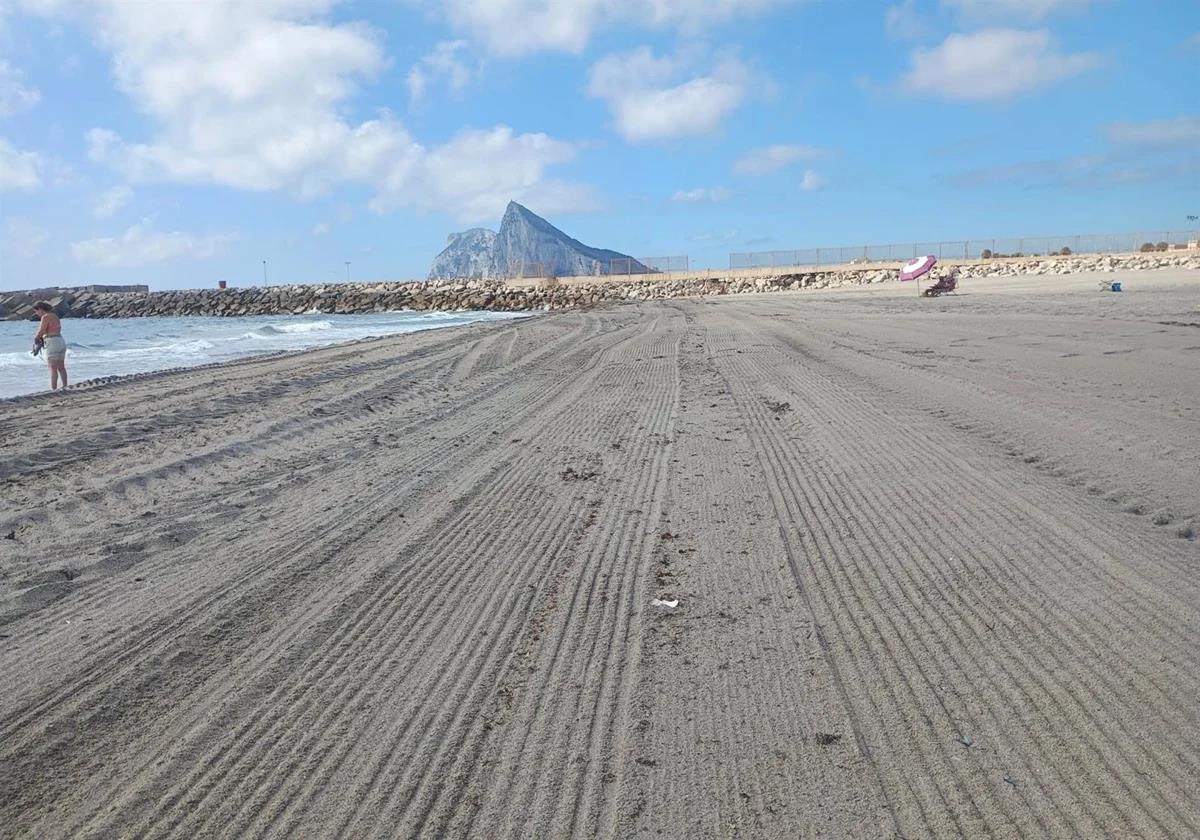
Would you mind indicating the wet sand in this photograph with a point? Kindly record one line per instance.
(936, 565)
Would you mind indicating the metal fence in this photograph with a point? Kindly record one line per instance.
(620, 266)
(959, 249)
(1027, 246)
(647, 265)
(530, 270)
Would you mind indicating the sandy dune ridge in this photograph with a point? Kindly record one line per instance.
(936, 564)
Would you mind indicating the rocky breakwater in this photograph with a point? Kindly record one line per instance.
(347, 299)
(656, 289)
(498, 296)
(1075, 264)
(340, 299)
(18, 305)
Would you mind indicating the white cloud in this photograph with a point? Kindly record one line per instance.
(15, 95)
(24, 239)
(518, 27)
(1169, 132)
(812, 181)
(904, 21)
(254, 96)
(699, 195)
(320, 229)
(1032, 10)
(651, 100)
(442, 62)
(1085, 172)
(992, 64)
(19, 170)
(772, 158)
(244, 94)
(141, 245)
(110, 201)
(478, 171)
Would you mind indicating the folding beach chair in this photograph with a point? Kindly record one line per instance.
(944, 286)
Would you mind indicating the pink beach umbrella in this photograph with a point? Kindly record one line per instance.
(915, 268)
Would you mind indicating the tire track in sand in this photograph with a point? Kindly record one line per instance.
(828, 462)
(487, 419)
(251, 802)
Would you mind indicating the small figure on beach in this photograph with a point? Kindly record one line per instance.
(946, 284)
(49, 340)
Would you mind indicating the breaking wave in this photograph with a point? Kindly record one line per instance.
(117, 346)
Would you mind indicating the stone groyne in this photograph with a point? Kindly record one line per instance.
(19, 305)
(572, 293)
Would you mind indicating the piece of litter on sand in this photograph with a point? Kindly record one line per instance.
(827, 738)
(658, 602)
(965, 740)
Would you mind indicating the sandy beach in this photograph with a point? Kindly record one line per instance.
(935, 562)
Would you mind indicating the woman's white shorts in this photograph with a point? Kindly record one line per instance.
(55, 348)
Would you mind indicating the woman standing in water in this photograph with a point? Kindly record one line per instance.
(49, 339)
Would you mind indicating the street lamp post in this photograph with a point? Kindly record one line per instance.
(347, 271)
(264, 272)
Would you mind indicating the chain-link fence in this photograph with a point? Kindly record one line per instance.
(530, 270)
(647, 265)
(970, 249)
(621, 266)
(959, 249)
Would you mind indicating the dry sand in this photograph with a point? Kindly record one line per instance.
(934, 563)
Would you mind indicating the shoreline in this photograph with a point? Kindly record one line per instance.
(94, 382)
(413, 585)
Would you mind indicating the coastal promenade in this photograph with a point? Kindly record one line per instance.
(933, 567)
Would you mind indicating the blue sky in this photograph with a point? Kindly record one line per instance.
(179, 143)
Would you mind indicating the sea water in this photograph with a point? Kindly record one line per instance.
(99, 347)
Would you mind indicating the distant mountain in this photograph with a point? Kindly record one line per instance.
(526, 245)
(467, 254)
